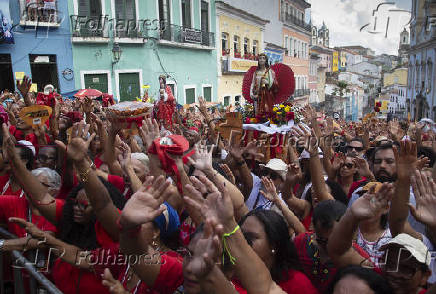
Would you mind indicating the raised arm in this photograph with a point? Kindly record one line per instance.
(271, 194)
(41, 239)
(203, 162)
(366, 207)
(43, 201)
(249, 268)
(405, 159)
(96, 192)
(136, 225)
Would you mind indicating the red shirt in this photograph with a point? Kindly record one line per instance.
(321, 274)
(120, 184)
(354, 186)
(12, 206)
(170, 277)
(72, 280)
(296, 283)
(4, 180)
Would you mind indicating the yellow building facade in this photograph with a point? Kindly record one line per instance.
(335, 62)
(241, 40)
(398, 76)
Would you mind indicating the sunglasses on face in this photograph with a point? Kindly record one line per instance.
(81, 203)
(358, 149)
(45, 158)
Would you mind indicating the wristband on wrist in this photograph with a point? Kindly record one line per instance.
(226, 247)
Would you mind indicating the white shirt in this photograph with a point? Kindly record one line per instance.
(256, 196)
(373, 248)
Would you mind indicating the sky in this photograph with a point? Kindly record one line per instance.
(345, 19)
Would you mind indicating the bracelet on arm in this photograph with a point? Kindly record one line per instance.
(84, 177)
(226, 247)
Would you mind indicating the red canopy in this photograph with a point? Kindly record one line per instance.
(92, 93)
(285, 79)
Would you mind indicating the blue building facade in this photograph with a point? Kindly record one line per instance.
(42, 46)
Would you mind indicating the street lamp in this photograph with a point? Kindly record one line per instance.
(116, 53)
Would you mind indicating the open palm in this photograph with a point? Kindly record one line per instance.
(371, 204)
(425, 195)
(146, 204)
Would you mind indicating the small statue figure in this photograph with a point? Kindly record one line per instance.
(166, 105)
(263, 87)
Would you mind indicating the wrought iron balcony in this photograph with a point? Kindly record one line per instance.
(178, 34)
(88, 27)
(301, 92)
(291, 20)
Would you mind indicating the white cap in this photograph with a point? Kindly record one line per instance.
(413, 245)
(277, 165)
(48, 88)
(28, 145)
(306, 155)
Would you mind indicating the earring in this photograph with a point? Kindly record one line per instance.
(273, 251)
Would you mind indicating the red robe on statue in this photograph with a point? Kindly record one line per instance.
(166, 108)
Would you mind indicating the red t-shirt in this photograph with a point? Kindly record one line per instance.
(12, 206)
(320, 274)
(72, 280)
(4, 180)
(120, 184)
(295, 284)
(170, 277)
(354, 186)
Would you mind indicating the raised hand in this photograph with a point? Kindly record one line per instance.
(422, 162)
(424, 190)
(78, 147)
(338, 161)
(149, 131)
(372, 204)
(202, 108)
(362, 167)
(9, 142)
(206, 250)
(270, 192)
(202, 158)
(294, 174)
(24, 86)
(146, 204)
(125, 158)
(217, 206)
(30, 228)
(87, 105)
(405, 159)
(229, 173)
(309, 113)
(114, 286)
(251, 150)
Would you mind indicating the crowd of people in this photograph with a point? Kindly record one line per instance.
(342, 207)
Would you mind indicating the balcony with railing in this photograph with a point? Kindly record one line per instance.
(39, 13)
(301, 93)
(181, 35)
(89, 29)
(291, 20)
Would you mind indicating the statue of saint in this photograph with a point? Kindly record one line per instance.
(166, 105)
(263, 87)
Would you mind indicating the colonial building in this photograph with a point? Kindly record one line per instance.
(42, 48)
(321, 36)
(242, 36)
(403, 50)
(121, 46)
(313, 77)
(421, 74)
(296, 40)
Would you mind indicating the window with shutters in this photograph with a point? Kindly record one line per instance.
(246, 46)
(226, 100)
(86, 24)
(255, 47)
(125, 11)
(207, 93)
(186, 14)
(189, 95)
(165, 11)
